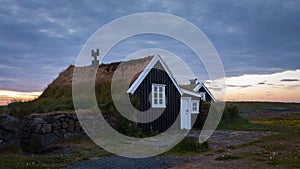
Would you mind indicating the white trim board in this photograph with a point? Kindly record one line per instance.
(191, 93)
(145, 72)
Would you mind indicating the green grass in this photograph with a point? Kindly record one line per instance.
(232, 120)
(276, 150)
(274, 154)
(282, 125)
(290, 160)
(1, 109)
(252, 106)
(240, 123)
(50, 161)
(43, 105)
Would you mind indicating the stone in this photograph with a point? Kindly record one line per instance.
(24, 134)
(57, 117)
(38, 120)
(46, 128)
(58, 133)
(65, 125)
(36, 128)
(39, 132)
(56, 125)
(5, 135)
(9, 130)
(9, 123)
(71, 129)
(67, 135)
(77, 129)
(71, 122)
(77, 123)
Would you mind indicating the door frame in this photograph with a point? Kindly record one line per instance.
(188, 117)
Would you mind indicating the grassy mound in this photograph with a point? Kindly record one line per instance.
(233, 120)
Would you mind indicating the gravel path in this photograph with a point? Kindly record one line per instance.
(117, 162)
(221, 139)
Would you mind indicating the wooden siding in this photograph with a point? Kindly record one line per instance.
(143, 94)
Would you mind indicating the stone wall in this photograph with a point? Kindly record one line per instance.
(9, 130)
(39, 131)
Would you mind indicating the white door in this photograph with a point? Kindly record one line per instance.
(185, 113)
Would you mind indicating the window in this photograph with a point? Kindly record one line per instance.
(195, 106)
(158, 95)
(203, 96)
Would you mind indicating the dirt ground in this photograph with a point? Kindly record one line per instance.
(279, 151)
(256, 155)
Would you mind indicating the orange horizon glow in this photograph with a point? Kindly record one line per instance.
(8, 96)
(277, 87)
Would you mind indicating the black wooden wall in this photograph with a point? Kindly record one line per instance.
(159, 76)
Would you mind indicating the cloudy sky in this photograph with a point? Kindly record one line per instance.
(258, 41)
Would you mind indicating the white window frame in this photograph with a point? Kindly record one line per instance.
(195, 111)
(157, 104)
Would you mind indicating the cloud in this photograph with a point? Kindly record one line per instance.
(41, 38)
(240, 86)
(289, 80)
(293, 87)
(262, 83)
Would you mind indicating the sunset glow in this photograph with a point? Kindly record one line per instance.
(283, 86)
(8, 96)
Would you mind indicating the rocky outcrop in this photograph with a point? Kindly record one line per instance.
(9, 130)
(40, 130)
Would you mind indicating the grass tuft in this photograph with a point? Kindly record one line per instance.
(189, 145)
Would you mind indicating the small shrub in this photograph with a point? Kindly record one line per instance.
(191, 145)
(231, 111)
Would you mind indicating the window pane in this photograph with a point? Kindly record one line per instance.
(155, 101)
(160, 95)
(160, 89)
(155, 89)
(160, 101)
(155, 95)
